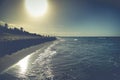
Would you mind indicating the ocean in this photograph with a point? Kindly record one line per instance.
(70, 58)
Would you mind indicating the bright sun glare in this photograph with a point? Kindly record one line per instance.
(36, 7)
(23, 64)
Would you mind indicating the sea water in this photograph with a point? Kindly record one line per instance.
(75, 58)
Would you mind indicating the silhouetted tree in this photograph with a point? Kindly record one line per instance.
(6, 25)
(21, 28)
(6, 29)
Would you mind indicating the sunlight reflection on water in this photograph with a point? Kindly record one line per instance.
(37, 65)
(23, 64)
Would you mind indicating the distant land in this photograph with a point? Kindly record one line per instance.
(13, 39)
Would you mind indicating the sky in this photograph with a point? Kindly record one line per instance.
(66, 17)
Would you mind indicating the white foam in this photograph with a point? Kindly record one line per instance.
(42, 65)
(61, 39)
(75, 39)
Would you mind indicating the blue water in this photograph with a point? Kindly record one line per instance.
(87, 59)
(95, 58)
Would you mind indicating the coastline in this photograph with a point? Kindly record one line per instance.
(8, 47)
(16, 43)
(9, 60)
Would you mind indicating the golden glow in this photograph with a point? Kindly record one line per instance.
(23, 64)
(36, 7)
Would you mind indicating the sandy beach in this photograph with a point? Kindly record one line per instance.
(9, 60)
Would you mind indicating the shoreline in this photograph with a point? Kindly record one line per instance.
(9, 60)
(12, 46)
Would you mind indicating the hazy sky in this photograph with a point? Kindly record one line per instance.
(66, 17)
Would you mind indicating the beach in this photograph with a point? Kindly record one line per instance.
(11, 44)
(9, 60)
(70, 58)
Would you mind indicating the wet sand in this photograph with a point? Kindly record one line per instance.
(9, 60)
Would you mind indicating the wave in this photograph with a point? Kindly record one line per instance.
(42, 65)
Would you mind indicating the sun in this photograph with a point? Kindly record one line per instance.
(36, 7)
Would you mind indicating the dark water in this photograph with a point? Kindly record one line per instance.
(70, 59)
